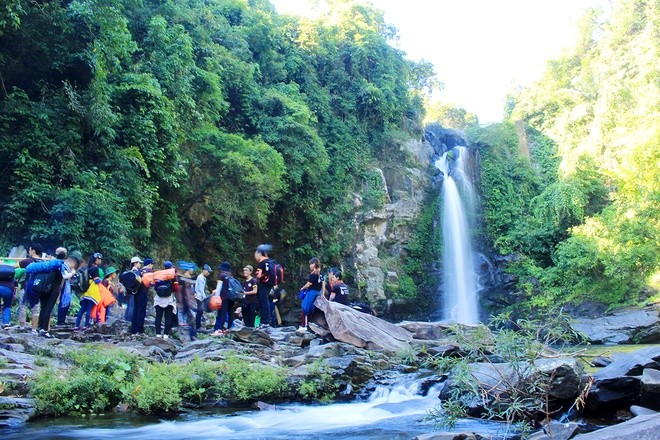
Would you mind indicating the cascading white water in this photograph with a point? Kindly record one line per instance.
(459, 277)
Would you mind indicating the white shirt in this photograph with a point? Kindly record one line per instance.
(200, 287)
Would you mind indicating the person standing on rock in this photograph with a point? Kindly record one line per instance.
(338, 290)
(311, 290)
(67, 294)
(200, 294)
(226, 312)
(165, 307)
(136, 265)
(34, 255)
(187, 295)
(249, 305)
(90, 298)
(140, 300)
(265, 275)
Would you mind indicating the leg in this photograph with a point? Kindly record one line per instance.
(47, 304)
(169, 318)
(129, 308)
(7, 296)
(264, 307)
(198, 315)
(61, 314)
(36, 311)
(230, 314)
(159, 318)
(22, 308)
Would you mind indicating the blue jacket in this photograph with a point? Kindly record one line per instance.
(44, 266)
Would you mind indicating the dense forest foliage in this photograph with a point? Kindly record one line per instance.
(580, 202)
(197, 128)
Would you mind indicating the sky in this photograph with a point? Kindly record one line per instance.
(481, 49)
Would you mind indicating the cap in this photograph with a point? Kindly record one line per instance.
(207, 268)
(110, 271)
(225, 266)
(136, 260)
(248, 267)
(77, 255)
(168, 265)
(148, 261)
(98, 255)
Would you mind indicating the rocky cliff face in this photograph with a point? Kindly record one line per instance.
(383, 233)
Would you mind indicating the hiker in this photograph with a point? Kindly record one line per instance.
(200, 294)
(136, 265)
(95, 260)
(7, 292)
(249, 305)
(90, 298)
(47, 299)
(226, 313)
(102, 309)
(140, 300)
(66, 295)
(34, 254)
(165, 304)
(311, 290)
(186, 297)
(338, 290)
(265, 281)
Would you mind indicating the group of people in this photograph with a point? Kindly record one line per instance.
(178, 297)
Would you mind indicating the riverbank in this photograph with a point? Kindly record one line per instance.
(286, 375)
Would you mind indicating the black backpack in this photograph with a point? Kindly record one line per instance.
(80, 281)
(164, 288)
(129, 280)
(7, 272)
(234, 289)
(43, 283)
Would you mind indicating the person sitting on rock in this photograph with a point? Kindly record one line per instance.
(338, 290)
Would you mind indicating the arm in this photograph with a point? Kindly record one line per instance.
(253, 291)
(306, 286)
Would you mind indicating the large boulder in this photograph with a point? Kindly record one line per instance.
(362, 330)
(623, 326)
(651, 388)
(638, 428)
(565, 374)
(618, 385)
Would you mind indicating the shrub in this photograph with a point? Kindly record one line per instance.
(156, 392)
(318, 384)
(243, 380)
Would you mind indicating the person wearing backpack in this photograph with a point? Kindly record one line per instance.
(34, 255)
(131, 281)
(265, 275)
(140, 300)
(186, 294)
(165, 304)
(200, 294)
(226, 290)
(68, 272)
(90, 298)
(7, 292)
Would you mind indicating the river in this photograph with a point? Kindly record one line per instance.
(395, 412)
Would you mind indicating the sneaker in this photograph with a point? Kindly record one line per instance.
(166, 337)
(301, 329)
(34, 331)
(159, 336)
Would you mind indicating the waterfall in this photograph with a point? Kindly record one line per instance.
(459, 277)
